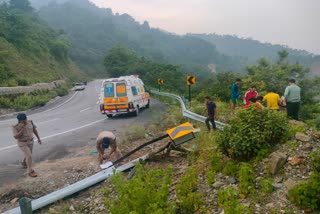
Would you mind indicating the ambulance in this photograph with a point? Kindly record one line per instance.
(123, 95)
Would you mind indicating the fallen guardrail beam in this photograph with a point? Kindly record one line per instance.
(76, 187)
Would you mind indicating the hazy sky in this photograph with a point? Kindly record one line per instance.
(295, 23)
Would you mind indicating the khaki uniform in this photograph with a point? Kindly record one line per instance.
(109, 135)
(112, 144)
(25, 141)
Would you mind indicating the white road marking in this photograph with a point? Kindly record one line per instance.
(85, 109)
(61, 133)
(42, 111)
(47, 121)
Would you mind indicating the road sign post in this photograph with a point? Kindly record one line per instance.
(191, 80)
(160, 82)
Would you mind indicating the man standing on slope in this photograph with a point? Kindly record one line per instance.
(235, 93)
(293, 97)
(252, 93)
(23, 132)
(212, 113)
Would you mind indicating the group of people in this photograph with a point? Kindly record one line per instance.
(290, 99)
(273, 101)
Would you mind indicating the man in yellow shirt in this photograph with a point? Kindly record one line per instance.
(272, 99)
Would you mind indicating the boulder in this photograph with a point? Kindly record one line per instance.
(277, 160)
(289, 184)
(297, 160)
(302, 137)
(307, 147)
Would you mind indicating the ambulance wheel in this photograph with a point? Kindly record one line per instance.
(109, 115)
(136, 112)
(148, 105)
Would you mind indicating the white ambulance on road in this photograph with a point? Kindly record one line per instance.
(126, 94)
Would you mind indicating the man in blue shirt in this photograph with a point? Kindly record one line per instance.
(235, 93)
(212, 113)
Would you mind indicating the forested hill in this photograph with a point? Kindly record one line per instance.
(253, 49)
(93, 31)
(31, 51)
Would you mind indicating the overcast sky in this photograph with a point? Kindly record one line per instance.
(295, 23)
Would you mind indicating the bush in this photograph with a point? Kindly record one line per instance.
(317, 123)
(306, 194)
(230, 169)
(228, 199)
(252, 130)
(266, 186)
(190, 200)
(315, 161)
(146, 192)
(246, 179)
(62, 90)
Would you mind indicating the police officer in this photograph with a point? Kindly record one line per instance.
(24, 132)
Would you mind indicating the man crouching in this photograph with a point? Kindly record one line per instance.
(104, 140)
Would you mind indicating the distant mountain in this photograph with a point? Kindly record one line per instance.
(93, 31)
(253, 49)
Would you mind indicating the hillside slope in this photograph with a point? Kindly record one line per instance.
(31, 51)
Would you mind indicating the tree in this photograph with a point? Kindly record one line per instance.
(283, 54)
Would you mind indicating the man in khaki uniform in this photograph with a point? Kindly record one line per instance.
(23, 132)
(104, 140)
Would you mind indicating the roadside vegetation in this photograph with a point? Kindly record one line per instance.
(34, 99)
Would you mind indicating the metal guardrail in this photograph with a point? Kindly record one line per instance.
(76, 187)
(187, 113)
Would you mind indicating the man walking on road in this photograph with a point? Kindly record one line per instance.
(212, 113)
(104, 140)
(292, 95)
(23, 132)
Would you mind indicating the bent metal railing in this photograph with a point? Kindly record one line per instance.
(187, 113)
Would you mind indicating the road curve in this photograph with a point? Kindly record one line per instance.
(73, 122)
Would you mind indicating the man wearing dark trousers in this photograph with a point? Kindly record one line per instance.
(212, 113)
(293, 97)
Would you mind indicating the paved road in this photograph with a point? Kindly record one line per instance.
(73, 121)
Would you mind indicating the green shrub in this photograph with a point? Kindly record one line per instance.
(62, 90)
(252, 130)
(246, 179)
(306, 194)
(190, 200)
(266, 186)
(146, 192)
(317, 122)
(211, 177)
(228, 199)
(22, 82)
(315, 161)
(230, 169)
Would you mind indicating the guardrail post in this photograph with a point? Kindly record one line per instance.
(25, 205)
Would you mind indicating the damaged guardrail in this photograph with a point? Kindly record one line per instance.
(187, 113)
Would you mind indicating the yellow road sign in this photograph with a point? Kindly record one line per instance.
(181, 130)
(160, 81)
(191, 80)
